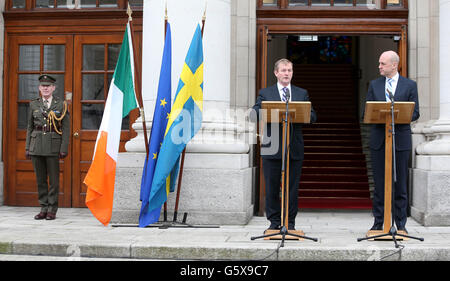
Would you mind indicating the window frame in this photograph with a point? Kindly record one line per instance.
(30, 5)
(284, 4)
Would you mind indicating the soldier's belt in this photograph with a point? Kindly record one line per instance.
(46, 129)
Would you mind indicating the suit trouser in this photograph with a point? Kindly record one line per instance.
(400, 188)
(47, 166)
(272, 177)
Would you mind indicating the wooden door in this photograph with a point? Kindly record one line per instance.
(95, 60)
(83, 65)
(30, 56)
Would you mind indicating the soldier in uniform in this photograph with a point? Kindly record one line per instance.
(47, 141)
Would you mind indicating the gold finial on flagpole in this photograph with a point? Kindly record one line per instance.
(204, 13)
(204, 17)
(166, 17)
(129, 12)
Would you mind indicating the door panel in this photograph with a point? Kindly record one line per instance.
(97, 56)
(29, 57)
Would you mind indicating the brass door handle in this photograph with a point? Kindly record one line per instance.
(76, 134)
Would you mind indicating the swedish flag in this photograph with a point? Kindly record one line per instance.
(185, 120)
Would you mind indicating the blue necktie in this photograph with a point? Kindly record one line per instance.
(284, 93)
(389, 88)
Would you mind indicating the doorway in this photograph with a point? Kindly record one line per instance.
(336, 71)
(83, 66)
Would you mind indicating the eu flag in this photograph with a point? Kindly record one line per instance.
(184, 121)
(150, 213)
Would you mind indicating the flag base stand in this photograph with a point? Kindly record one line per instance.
(169, 224)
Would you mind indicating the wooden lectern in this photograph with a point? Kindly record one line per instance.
(380, 113)
(275, 112)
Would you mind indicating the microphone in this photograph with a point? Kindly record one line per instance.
(391, 96)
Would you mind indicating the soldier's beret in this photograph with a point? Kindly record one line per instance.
(46, 79)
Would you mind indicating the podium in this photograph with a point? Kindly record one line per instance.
(285, 113)
(385, 113)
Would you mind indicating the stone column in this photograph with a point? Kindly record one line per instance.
(2, 37)
(217, 177)
(431, 176)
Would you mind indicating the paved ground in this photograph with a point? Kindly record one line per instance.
(77, 235)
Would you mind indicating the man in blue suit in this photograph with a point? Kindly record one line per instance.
(271, 148)
(402, 89)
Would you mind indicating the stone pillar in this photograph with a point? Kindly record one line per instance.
(217, 176)
(2, 37)
(431, 175)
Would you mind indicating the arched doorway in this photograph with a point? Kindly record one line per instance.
(335, 47)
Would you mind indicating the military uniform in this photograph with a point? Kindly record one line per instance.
(47, 141)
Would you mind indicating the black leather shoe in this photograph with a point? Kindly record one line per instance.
(40, 216)
(377, 226)
(274, 226)
(403, 229)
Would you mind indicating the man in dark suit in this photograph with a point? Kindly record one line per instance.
(271, 148)
(47, 141)
(402, 89)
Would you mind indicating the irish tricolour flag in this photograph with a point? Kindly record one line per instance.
(120, 101)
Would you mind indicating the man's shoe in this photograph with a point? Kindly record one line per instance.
(403, 229)
(377, 226)
(273, 226)
(40, 216)
(50, 216)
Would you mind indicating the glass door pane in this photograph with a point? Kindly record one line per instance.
(343, 2)
(29, 57)
(298, 2)
(88, 3)
(45, 4)
(394, 2)
(136, 2)
(108, 3)
(320, 2)
(18, 4)
(369, 3)
(269, 2)
(96, 76)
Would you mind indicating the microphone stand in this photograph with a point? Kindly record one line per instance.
(285, 188)
(393, 230)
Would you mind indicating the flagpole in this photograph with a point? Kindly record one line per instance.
(180, 177)
(166, 18)
(138, 80)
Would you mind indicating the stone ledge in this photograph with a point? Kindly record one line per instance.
(293, 251)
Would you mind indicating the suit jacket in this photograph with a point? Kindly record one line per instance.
(406, 91)
(296, 151)
(43, 143)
